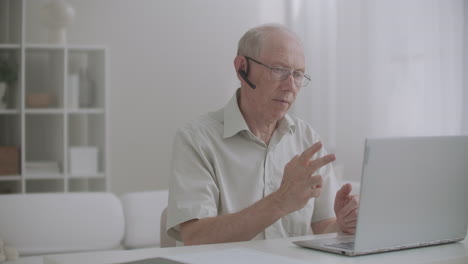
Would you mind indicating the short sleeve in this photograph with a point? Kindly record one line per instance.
(193, 192)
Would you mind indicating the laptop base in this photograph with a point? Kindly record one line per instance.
(334, 246)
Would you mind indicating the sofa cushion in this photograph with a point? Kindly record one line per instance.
(61, 222)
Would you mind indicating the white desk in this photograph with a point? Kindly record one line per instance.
(454, 253)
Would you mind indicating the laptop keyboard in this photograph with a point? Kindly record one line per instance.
(345, 245)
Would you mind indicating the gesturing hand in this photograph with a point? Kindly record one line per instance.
(346, 209)
(299, 184)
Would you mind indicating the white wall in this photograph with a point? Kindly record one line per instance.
(170, 61)
(465, 69)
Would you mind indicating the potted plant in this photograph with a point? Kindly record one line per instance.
(8, 76)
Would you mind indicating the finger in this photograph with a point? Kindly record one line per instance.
(315, 192)
(350, 219)
(351, 224)
(316, 180)
(349, 207)
(352, 216)
(292, 161)
(314, 165)
(344, 191)
(308, 153)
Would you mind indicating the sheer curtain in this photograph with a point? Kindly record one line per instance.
(380, 68)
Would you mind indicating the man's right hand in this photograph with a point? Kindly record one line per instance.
(299, 183)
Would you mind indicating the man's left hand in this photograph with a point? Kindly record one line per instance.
(346, 209)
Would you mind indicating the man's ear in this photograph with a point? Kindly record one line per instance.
(240, 63)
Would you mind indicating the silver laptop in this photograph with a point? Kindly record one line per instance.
(414, 193)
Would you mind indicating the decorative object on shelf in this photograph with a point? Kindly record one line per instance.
(8, 76)
(57, 15)
(39, 100)
(86, 89)
(83, 160)
(73, 90)
(9, 160)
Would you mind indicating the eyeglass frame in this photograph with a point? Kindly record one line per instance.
(291, 72)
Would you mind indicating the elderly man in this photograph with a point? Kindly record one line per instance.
(250, 170)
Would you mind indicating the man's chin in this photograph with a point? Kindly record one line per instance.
(279, 115)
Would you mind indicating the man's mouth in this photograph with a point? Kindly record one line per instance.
(282, 101)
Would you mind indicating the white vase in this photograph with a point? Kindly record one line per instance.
(57, 15)
(3, 88)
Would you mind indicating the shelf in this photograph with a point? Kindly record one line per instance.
(87, 133)
(86, 48)
(86, 78)
(10, 178)
(43, 176)
(86, 111)
(42, 111)
(45, 185)
(87, 176)
(49, 47)
(9, 46)
(9, 112)
(44, 142)
(55, 116)
(87, 185)
(72, 47)
(44, 78)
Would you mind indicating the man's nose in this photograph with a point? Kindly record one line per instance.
(290, 84)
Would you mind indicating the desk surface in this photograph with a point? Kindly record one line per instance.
(453, 253)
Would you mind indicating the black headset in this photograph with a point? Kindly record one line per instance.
(244, 74)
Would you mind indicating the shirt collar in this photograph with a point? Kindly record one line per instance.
(286, 124)
(234, 121)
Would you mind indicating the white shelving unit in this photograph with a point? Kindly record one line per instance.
(71, 117)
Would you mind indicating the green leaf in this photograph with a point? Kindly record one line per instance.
(8, 72)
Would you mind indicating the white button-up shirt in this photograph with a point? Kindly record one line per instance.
(220, 167)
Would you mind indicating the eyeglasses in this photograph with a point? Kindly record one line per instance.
(281, 73)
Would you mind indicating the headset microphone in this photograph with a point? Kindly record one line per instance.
(243, 74)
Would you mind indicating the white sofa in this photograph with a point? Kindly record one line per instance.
(37, 224)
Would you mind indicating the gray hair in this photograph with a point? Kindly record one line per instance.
(251, 42)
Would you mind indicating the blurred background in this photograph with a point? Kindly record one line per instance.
(378, 67)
